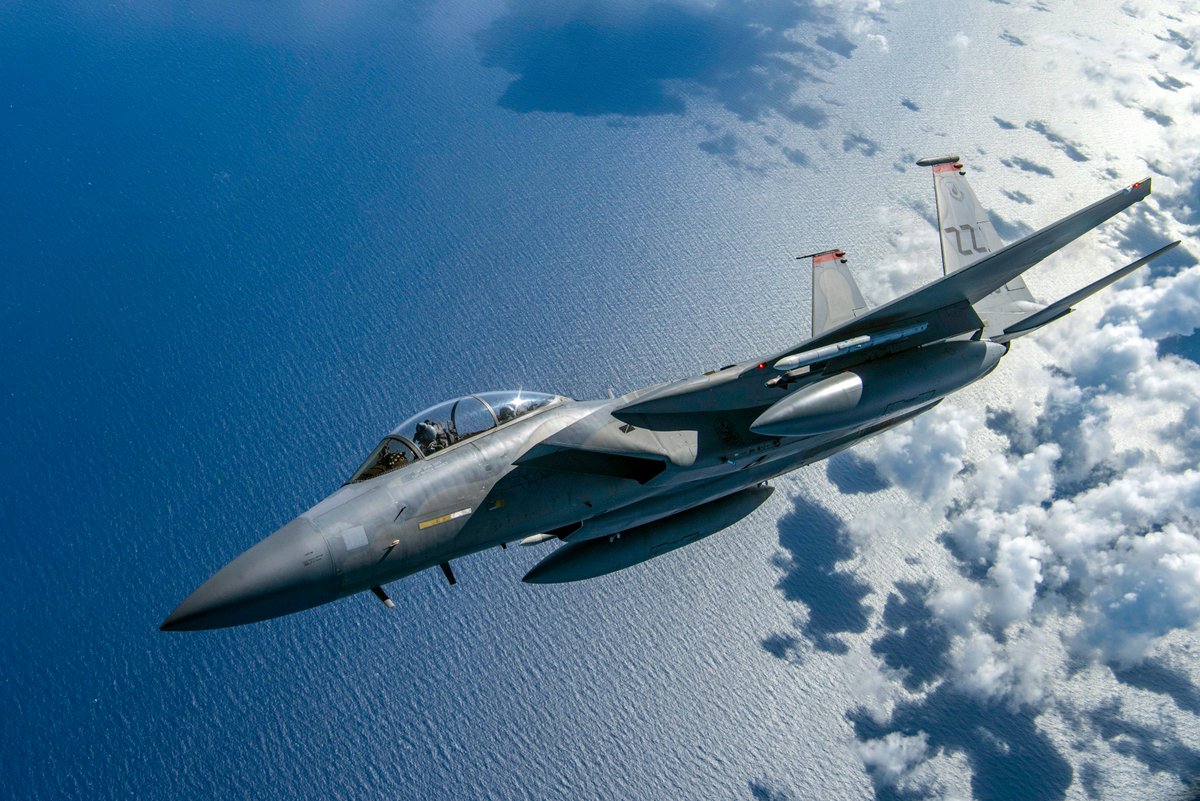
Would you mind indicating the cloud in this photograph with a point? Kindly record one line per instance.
(1066, 525)
(891, 758)
(913, 256)
(1061, 540)
(1146, 587)
(926, 456)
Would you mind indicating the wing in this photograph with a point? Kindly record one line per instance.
(835, 295)
(939, 310)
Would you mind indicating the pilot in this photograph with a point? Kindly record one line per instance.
(430, 436)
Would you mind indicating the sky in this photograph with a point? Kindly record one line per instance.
(243, 243)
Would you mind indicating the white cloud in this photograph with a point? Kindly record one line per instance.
(1004, 484)
(891, 758)
(913, 256)
(1145, 587)
(1115, 553)
(1015, 576)
(925, 456)
(981, 667)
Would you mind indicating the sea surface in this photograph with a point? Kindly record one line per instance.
(240, 243)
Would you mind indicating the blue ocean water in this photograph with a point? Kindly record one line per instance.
(239, 248)
(242, 244)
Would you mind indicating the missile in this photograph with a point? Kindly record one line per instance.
(888, 386)
(846, 347)
(597, 557)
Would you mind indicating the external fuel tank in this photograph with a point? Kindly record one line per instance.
(891, 385)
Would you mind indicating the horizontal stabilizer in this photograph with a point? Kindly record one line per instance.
(1064, 306)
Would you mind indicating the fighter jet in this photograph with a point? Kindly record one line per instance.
(622, 480)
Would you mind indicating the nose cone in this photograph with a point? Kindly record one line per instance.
(288, 571)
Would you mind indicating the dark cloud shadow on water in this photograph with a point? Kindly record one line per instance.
(591, 58)
(914, 644)
(762, 791)
(1010, 759)
(862, 144)
(815, 541)
(1158, 678)
(1158, 749)
(854, 475)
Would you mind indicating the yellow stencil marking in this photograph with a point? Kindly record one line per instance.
(445, 518)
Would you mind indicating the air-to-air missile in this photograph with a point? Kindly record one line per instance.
(623, 480)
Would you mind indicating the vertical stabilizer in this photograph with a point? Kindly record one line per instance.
(967, 235)
(835, 296)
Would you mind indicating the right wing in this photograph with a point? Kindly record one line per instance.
(979, 279)
(936, 311)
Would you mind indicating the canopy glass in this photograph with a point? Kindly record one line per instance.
(447, 424)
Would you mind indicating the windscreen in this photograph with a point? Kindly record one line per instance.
(392, 454)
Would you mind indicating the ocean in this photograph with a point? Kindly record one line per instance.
(241, 244)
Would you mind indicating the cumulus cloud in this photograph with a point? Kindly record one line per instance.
(1075, 546)
(926, 457)
(1069, 524)
(890, 759)
(1116, 554)
(913, 256)
(1147, 587)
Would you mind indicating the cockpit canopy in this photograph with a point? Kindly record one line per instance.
(447, 424)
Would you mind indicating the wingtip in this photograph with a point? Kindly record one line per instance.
(933, 161)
